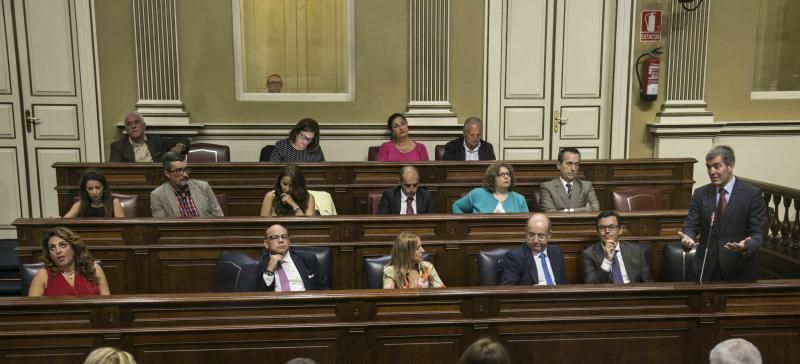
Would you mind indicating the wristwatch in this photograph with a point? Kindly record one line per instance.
(296, 210)
(269, 273)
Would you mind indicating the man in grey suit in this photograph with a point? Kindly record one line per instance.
(181, 196)
(407, 198)
(566, 193)
(729, 215)
(611, 260)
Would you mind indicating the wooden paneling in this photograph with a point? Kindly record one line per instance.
(245, 184)
(148, 255)
(639, 323)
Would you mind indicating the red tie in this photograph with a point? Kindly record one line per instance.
(723, 203)
(410, 206)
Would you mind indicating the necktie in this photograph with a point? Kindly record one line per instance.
(410, 205)
(547, 278)
(569, 191)
(722, 205)
(283, 278)
(616, 272)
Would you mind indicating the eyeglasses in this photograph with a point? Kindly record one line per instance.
(607, 227)
(306, 137)
(532, 236)
(180, 171)
(276, 237)
(504, 174)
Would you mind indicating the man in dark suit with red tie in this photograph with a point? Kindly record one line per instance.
(536, 262)
(729, 215)
(408, 198)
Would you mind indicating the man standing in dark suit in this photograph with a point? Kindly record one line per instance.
(135, 146)
(407, 198)
(469, 147)
(611, 260)
(729, 216)
(535, 262)
(287, 270)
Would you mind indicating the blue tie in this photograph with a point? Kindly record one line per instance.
(547, 278)
(616, 272)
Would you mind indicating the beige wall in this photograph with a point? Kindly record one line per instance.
(729, 73)
(205, 40)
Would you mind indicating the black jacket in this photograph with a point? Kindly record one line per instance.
(307, 265)
(390, 202)
(454, 151)
(122, 150)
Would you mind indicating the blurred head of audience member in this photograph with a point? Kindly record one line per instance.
(485, 351)
(109, 355)
(274, 83)
(735, 351)
(301, 361)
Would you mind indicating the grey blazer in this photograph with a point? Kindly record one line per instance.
(554, 196)
(163, 202)
(632, 255)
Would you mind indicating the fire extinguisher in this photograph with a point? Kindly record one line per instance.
(651, 67)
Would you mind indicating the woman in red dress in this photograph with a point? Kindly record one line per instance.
(69, 268)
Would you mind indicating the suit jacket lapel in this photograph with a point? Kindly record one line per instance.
(397, 201)
(531, 263)
(631, 262)
(731, 201)
(199, 203)
(127, 149)
(301, 268)
(173, 201)
(562, 193)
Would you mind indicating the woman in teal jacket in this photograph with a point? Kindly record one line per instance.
(495, 196)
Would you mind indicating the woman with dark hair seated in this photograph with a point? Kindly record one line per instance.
(96, 199)
(406, 269)
(401, 148)
(495, 196)
(69, 269)
(289, 196)
(302, 145)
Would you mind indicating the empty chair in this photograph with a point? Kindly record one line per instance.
(637, 198)
(373, 201)
(266, 152)
(439, 152)
(489, 263)
(236, 272)
(207, 152)
(373, 270)
(678, 264)
(372, 154)
(222, 200)
(533, 205)
(323, 254)
(130, 204)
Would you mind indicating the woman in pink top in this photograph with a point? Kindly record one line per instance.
(401, 148)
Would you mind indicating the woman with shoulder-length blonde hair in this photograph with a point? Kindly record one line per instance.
(406, 269)
(69, 269)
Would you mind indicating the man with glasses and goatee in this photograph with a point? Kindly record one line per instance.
(611, 260)
(284, 269)
(181, 196)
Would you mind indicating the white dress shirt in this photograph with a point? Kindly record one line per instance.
(404, 204)
(606, 266)
(471, 154)
(540, 272)
(295, 281)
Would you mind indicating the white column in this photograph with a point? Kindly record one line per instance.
(156, 39)
(429, 63)
(686, 65)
